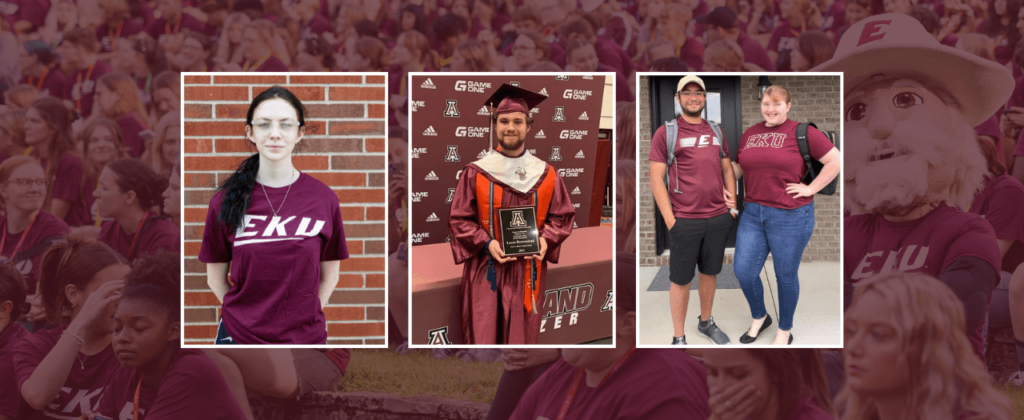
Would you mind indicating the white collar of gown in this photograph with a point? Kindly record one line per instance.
(520, 173)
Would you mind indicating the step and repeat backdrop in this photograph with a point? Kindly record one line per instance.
(450, 128)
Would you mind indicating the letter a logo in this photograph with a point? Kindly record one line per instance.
(438, 337)
(453, 154)
(451, 110)
(517, 219)
(559, 114)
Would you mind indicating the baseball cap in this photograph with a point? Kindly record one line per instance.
(895, 44)
(722, 17)
(687, 80)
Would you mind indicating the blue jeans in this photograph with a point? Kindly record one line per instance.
(785, 234)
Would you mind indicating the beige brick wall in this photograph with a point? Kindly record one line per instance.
(815, 99)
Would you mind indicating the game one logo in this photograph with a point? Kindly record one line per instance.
(471, 86)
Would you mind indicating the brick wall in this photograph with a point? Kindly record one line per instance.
(344, 147)
(814, 98)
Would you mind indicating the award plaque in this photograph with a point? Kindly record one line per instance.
(519, 234)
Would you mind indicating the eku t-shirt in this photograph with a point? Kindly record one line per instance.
(83, 386)
(770, 159)
(192, 388)
(698, 169)
(275, 262)
(999, 203)
(45, 231)
(10, 395)
(651, 384)
(873, 245)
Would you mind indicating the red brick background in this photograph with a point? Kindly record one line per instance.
(343, 147)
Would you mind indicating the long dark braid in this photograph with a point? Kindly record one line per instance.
(238, 188)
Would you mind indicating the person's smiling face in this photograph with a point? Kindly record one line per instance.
(102, 147)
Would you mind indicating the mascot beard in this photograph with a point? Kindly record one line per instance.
(918, 163)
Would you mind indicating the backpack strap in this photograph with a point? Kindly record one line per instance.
(671, 138)
(718, 133)
(801, 143)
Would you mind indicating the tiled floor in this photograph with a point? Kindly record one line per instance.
(817, 321)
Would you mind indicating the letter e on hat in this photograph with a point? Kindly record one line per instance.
(873, 31)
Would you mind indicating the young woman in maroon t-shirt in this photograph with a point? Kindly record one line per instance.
(102, 143)
(26, 230)
(61, 370)
(131, 194)
(156, 377)
(780, 384)
(778, 214)
(907, 354)
(48, 132)
(12, 301)
(117, 98)
(280, 230)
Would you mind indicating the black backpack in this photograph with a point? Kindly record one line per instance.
(813, 166)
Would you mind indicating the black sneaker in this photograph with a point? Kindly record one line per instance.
(679, 341)
(710, 330)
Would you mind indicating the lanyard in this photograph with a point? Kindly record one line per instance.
(135, 401)
(177, 27)
(39, 86)
(138, 230)
(88, 75)
(114, 36)
(256, 65)
(96, 215)
(3, 238)
(571, 394)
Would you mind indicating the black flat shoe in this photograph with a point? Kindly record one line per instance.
(747, 339)
(790, 339)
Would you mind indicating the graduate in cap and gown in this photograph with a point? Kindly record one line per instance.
(501, 294)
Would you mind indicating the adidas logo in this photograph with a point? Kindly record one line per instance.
(432, 176)
(543, 91)
(482, 154)
(433, 217)
(579, 155)
(584, 117)
(483, 111)
(428, 84)
(540, 135)
(576, 191)
(429, 132)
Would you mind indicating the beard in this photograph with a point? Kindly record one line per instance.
(928, 162)
(694, 114)
(510, 143)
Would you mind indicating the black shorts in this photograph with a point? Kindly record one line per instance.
(700, 243)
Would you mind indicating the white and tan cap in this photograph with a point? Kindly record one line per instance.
(687, 80)
(895, 44)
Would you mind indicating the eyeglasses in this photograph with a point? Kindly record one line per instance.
(691, 94)
(26, 183)
(517, 49)
(265, 127)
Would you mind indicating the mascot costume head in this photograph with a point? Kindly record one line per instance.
(911, 105)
